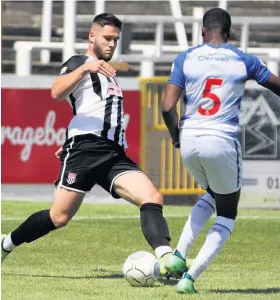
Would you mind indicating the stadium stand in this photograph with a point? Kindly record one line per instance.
(21, 21)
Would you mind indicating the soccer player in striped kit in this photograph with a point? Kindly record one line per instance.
(211, 79)
(94, 148)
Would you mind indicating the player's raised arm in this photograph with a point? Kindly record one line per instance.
(273, 84)
(71, 73)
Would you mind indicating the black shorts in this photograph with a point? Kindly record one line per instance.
(88, 159)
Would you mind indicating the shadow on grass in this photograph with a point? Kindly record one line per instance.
(111, 276)
(248, 291)
(163, 281)
(166, 281)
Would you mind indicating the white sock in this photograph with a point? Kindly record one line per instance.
(161, 250)
(215, 240)
(7, 244)
(201, 213)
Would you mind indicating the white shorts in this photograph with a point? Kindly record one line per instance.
(213, 161)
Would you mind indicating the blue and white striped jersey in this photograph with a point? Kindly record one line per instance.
(213, 79)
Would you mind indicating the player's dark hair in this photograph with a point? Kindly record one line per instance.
(217, 18)
(108, 19)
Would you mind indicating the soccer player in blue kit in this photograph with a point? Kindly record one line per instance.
(211, 80)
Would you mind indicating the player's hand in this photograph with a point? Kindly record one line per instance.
(176, 144)
(58, 153)
(100, 66)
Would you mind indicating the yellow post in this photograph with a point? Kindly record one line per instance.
(177, 181)
(178, 164)
(170, 165)
(163, 168)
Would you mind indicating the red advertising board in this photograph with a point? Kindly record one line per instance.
(33, 128)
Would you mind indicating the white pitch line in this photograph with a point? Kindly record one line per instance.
(80, 218)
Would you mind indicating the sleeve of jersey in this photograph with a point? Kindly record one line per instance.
(256, 69)
(177, 76)
(72, 64)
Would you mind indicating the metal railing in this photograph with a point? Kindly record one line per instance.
(147, 54)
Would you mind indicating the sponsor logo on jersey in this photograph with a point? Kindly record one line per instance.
(213, 57)
(114, 90)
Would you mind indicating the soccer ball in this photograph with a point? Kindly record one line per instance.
(141, 269)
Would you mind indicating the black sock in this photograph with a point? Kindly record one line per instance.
(154, 226)
(36, 226)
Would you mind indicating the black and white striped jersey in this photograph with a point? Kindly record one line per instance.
(97, 104)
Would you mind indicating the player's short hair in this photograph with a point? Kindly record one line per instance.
(217, 18)
(108, 19)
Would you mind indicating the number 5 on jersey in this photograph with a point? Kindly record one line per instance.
(208, 94)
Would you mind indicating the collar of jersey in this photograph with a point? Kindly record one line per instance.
(91, 57)
(224, 45)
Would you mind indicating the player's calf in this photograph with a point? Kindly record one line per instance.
(137, 188)
(36, 226)
(155, 228)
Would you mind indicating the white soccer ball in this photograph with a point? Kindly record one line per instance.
(141, 269)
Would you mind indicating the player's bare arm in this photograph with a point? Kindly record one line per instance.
(273, 84)
(172, 95)
(64, 84)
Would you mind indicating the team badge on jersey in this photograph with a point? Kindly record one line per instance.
(71, 178)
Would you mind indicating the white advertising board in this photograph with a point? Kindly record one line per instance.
(259, 135)
(261, 184)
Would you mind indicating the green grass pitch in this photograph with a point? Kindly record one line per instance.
(84, 260)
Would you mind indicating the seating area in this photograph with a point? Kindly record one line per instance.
(21, 21)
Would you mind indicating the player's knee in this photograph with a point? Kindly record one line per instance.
(227, 212)
(60, 220)
(227, 205)
(146, 196)
(155, 197)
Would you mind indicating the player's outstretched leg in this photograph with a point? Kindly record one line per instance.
(65, 205)
(201, 213)
(217, 236)
(137, 188)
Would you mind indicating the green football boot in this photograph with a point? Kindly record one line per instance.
(173, 265)
(186, 285)
(162, 261)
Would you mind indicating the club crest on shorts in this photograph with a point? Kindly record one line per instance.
(71, 178)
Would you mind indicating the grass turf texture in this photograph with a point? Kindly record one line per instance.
(84, 260)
